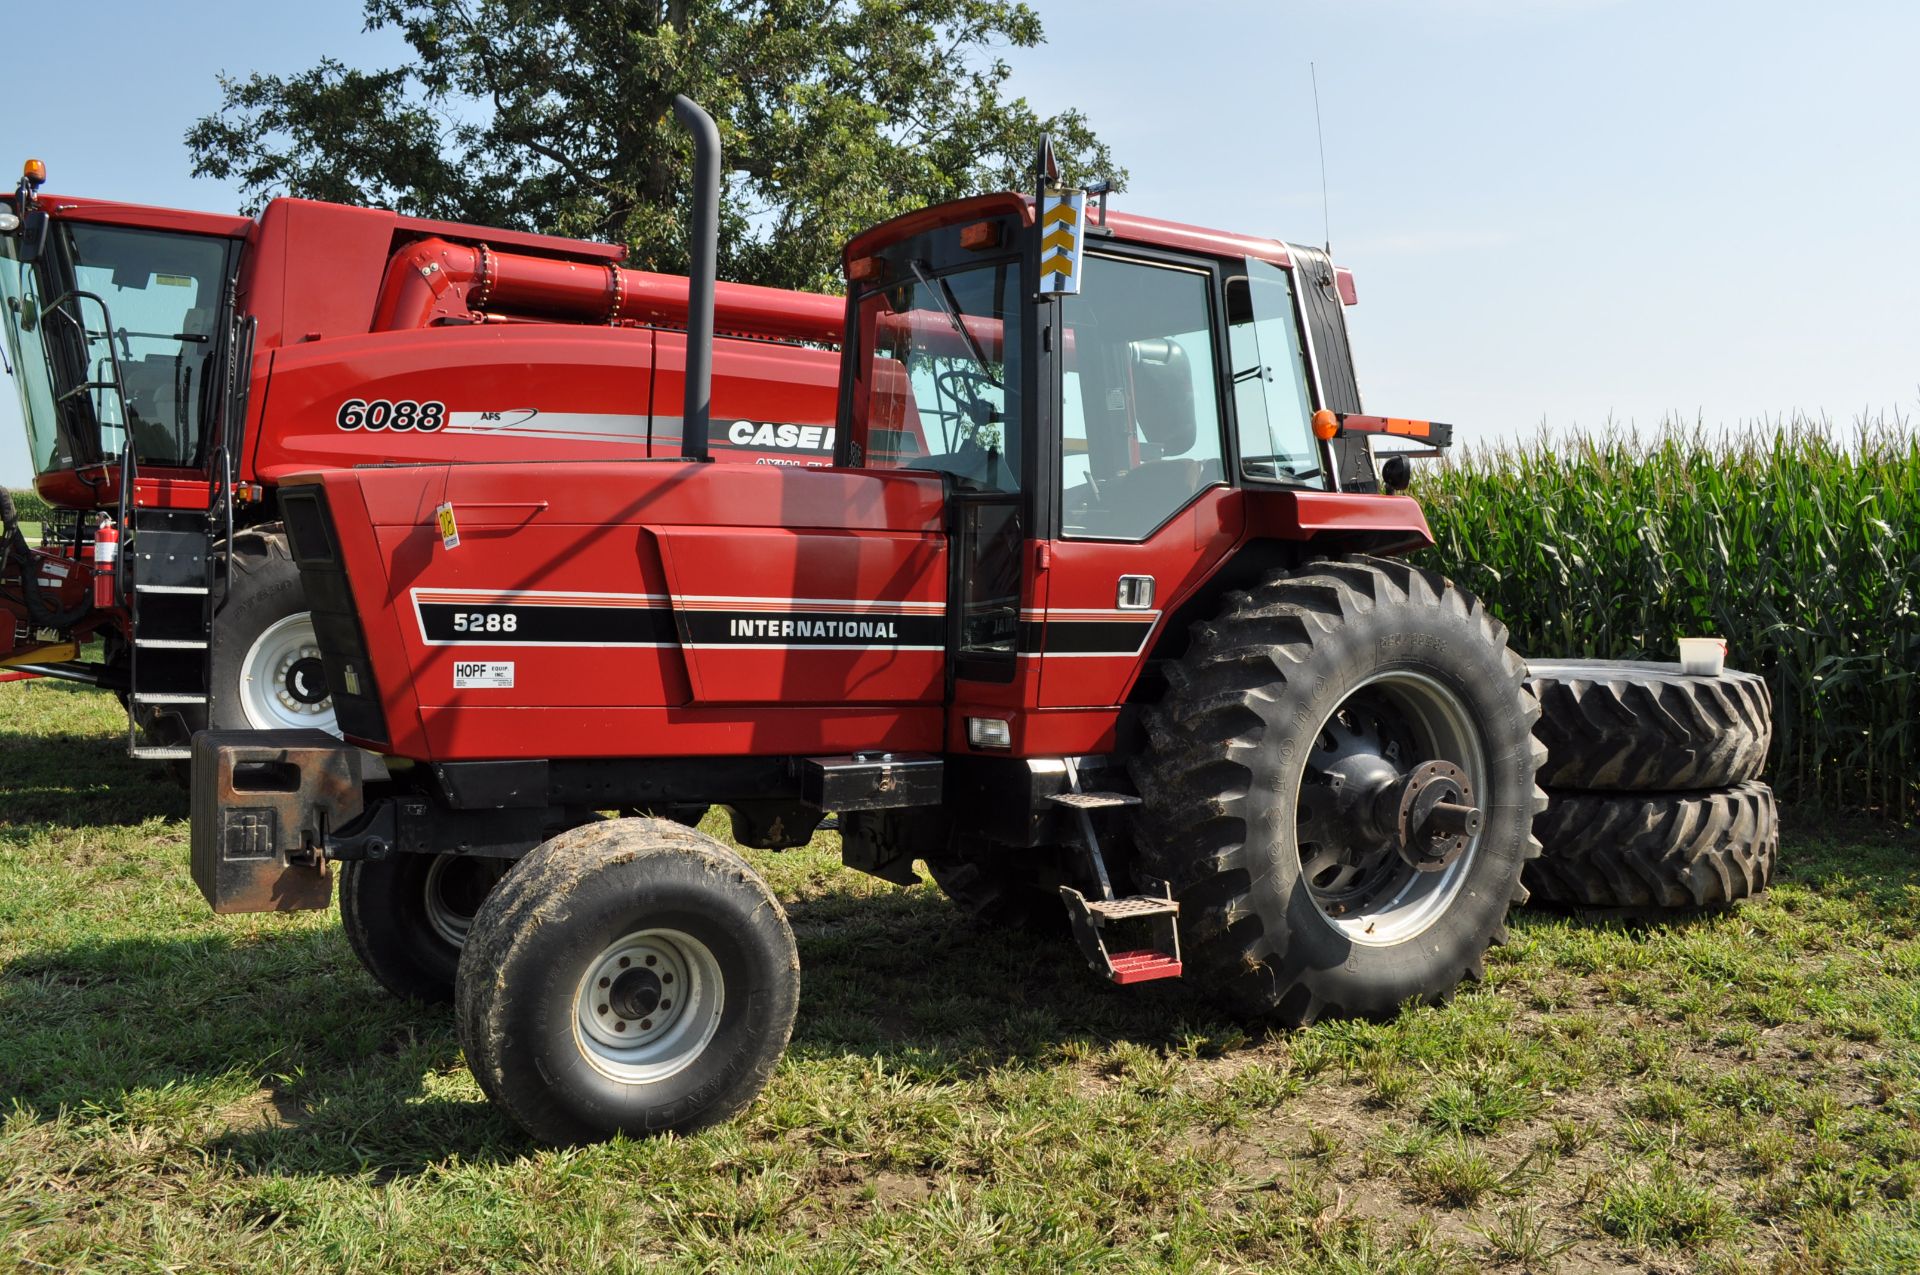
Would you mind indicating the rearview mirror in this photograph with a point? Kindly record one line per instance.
(33, 236)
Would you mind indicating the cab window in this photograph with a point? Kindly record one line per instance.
(1141, 428)
(1270, 398)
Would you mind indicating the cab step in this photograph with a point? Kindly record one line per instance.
(160, 752)
(167, 697)
(1091, 917)
(1093, 800)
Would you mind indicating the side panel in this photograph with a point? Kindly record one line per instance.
(649, 608)
(530, 392)
(769, 615)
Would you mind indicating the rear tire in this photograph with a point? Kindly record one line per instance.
(408, 916)
(565, 984)
(1288, 908)
(1646, 850)
(1629, 726)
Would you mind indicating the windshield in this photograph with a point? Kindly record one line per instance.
(111, 336)
(939, 386)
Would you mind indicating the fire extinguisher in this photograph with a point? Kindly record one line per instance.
(106, 558)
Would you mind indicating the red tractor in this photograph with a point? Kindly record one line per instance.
(1099, 611)
(174, 367)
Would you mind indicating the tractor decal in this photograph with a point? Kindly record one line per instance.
(495, 617)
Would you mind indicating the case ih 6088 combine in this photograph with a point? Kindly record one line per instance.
(1098, 608)
(173, 367)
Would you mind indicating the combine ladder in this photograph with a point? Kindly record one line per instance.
(176, 561)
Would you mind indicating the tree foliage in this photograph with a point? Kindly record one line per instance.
(556, 115)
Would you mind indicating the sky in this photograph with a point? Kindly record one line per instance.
(1560, 212)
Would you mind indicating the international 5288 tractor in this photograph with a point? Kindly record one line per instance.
(174, 367)
(1098, 608)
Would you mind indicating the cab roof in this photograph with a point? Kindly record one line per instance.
(1127, 227)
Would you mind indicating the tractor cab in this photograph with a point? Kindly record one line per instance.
(1118, 408)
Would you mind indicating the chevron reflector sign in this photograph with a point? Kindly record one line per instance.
(1062, 220)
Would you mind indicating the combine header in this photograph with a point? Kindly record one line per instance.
(1097, 608)
(173, 368)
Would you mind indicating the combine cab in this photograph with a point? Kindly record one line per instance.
(173, 368)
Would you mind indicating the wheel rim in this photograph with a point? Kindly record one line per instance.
(1360, 882)
(648, 1005)
(282, 684)
(455, 887)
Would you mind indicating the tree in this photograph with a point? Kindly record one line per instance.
(556, 115)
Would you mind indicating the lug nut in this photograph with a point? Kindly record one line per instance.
(645, 1023)
(620, 1026)
(666, 978)
(666, 1004)
(606, 982)
(603, 1009)
(651, 960)
(624, 962)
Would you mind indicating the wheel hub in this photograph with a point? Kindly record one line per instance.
(637, 993)
(1436, 816)
(1367, 813)
(306, 679)
(648, 1005)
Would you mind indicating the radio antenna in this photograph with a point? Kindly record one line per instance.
(1326, 218)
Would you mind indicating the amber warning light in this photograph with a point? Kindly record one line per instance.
(1329, 425)
(34, 173)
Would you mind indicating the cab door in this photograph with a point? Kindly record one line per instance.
(1143, 504)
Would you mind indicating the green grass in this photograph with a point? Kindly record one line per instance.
(182, 1092)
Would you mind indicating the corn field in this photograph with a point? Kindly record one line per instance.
(1798, 544)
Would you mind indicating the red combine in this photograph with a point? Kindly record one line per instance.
(1098, 608)
(174, 367)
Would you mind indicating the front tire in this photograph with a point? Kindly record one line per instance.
(631, 976)
(1284, 725)
(266, 672)
(408, 916)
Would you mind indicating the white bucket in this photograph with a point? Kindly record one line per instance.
(1707, 655)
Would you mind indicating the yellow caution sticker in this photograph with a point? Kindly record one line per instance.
(1062, 220)
(449, 529)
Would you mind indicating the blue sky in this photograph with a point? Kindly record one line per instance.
(1559, 211)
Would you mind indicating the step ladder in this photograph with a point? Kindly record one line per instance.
(173, 571)
(167, 559)
(1158, 915)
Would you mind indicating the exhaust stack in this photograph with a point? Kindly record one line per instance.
(702, 271)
